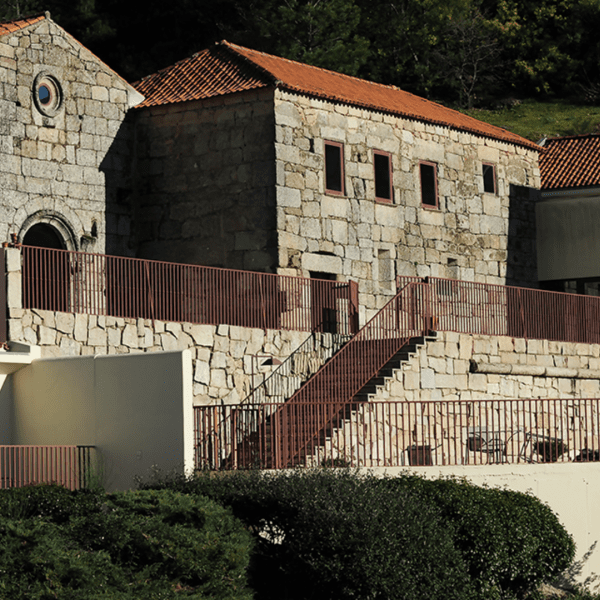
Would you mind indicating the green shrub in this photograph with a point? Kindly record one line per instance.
(148, 544)
(332, 534)
(511, 541)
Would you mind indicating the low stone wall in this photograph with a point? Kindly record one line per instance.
(476, 367)
(226, 359)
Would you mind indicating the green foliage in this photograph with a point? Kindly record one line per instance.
(535, 120)
(343, 535)
(511, 541)
(332, 534)
(87, 545)
(319, 32)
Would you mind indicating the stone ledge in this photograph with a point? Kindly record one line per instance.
(532, 370)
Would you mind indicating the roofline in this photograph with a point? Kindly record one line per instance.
(570, 191)
(572, 137)
(282, 85)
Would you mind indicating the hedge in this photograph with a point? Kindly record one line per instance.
(346, 535)
(146, 544)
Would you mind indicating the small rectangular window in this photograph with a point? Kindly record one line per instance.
(334, 167)
(489, 178)
(429, 184)
(382, 165)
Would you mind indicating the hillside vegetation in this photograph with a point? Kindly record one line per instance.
(536, 120)
(466, 53)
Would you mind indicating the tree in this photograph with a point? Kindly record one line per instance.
(468, 58)
(318, 32)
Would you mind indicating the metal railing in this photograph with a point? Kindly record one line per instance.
(303, 362)
(402, 318)
(390, 434)
(70, 466)
(66, 281)
(481, 308)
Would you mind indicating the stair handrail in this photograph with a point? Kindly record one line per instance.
(405, 316)
(286, 379)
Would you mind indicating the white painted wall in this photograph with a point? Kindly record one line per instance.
(571, 490)
(136, 409)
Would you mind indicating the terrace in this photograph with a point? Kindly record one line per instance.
(330, 420)
(318, 407)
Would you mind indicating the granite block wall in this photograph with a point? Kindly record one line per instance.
(65, 163)
(472, 235)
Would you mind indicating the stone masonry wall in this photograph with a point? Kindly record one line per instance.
(69, 169)
(206, 182)
(475, 367)
(226, 359)
(474, 236)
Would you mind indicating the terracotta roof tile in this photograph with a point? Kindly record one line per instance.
(12, 26)
(570, 162)
(212, 72)
(227, 68)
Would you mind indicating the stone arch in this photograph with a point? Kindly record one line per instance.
(49, 229)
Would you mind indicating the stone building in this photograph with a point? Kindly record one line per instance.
(233, 158)
(237, 159)
(250, 161)
(65, 153)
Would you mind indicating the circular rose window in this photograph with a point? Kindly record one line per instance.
(47, 94)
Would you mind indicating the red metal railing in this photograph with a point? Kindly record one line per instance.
(70, 466)
(379, 434)
(303, 362)
(402, 318)
(487, 309)
(97, 284)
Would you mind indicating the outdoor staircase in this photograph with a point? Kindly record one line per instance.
(318, 456)
(348, 377)
(388, 370)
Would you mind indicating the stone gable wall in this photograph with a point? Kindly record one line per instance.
(206, 182)
(65, 169)
(474, 236)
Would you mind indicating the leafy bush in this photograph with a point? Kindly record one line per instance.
(511, 541)
(149, 544)
(333, 534)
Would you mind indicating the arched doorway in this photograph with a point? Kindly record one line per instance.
(42, 235)
(46, 270)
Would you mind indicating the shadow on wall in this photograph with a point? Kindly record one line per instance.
(117, 166)
(205, 184)
(521, 259)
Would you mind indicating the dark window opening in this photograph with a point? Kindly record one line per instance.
(382, 165)
(43, 236)
(334, 167)
(323, 302)
(489, 179)
(46, 276)
(428, 184)
(44, 94)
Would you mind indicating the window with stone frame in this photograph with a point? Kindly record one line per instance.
(489, 178)
(382, 168)
(429, 191)
(334, 167)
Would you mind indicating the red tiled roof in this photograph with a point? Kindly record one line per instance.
(227, 68)
(570, 162)
(212, 72)
(12, 26)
